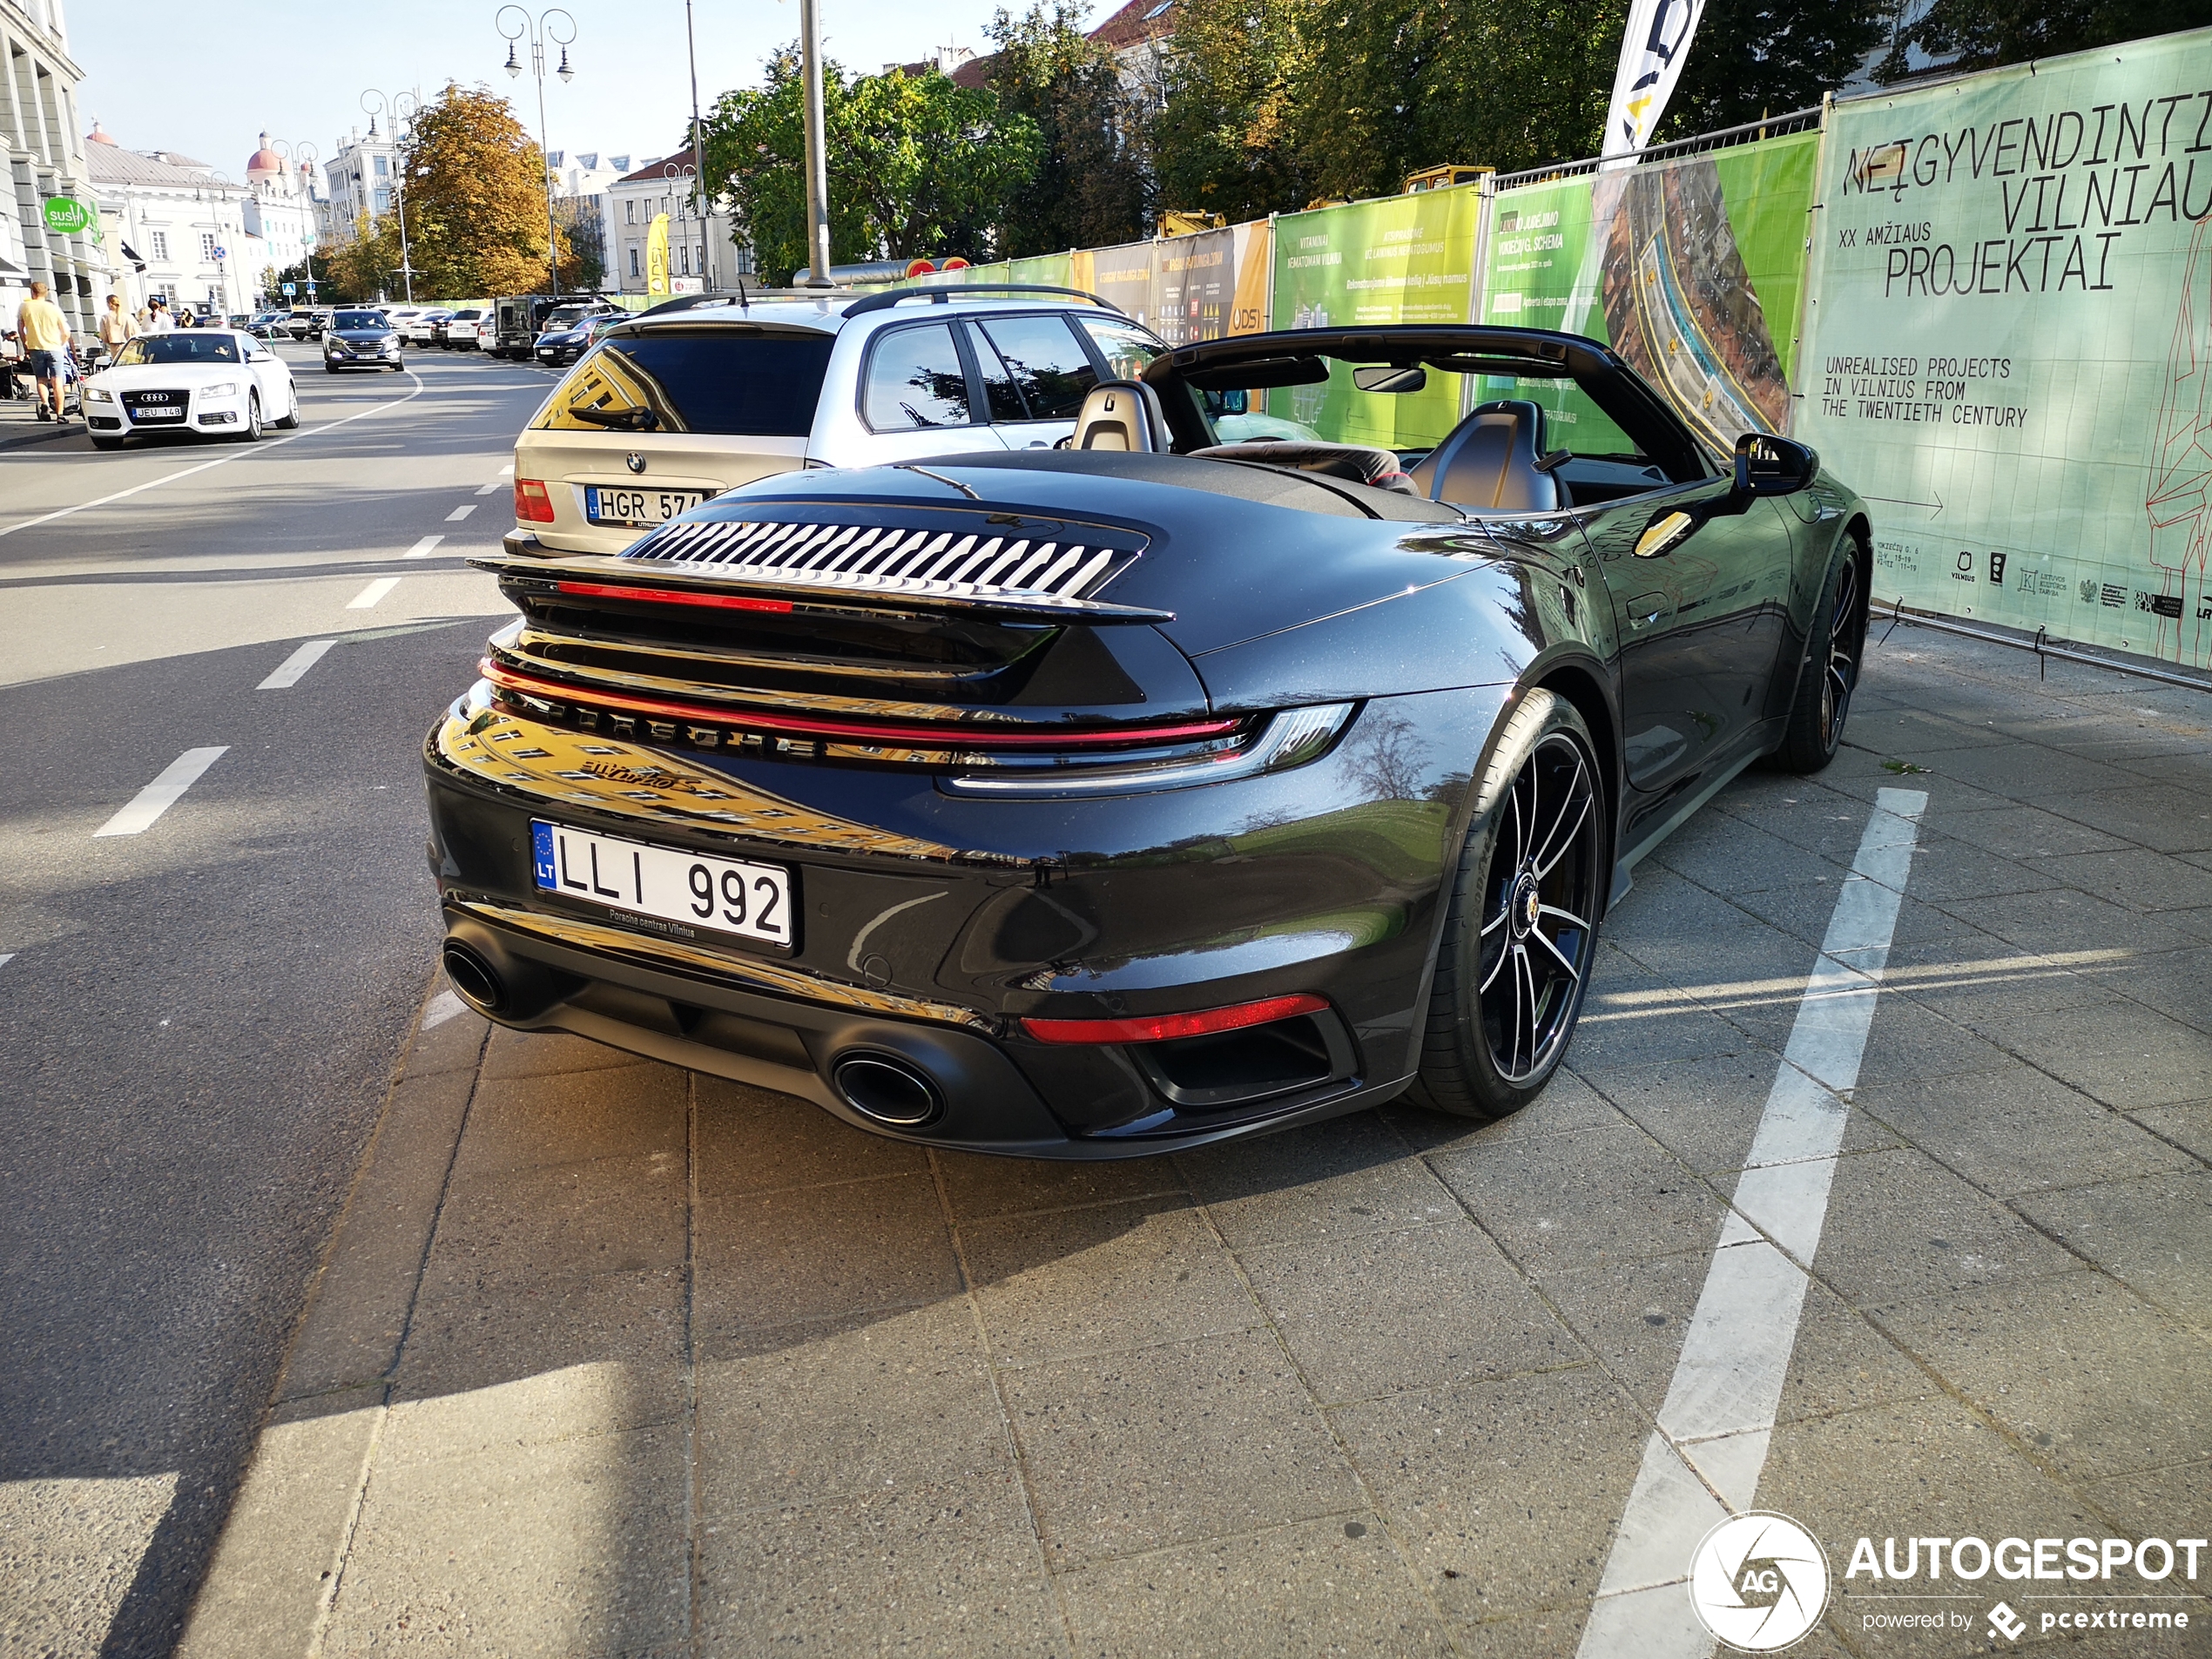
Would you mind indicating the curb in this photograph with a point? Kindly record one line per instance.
(275, 1568)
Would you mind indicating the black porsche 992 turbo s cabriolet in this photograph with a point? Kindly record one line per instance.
(1096, 801)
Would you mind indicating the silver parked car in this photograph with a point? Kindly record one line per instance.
(676, 405)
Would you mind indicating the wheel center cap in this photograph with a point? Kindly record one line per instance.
(1527, 904)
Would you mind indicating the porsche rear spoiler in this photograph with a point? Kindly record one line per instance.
(623, 580)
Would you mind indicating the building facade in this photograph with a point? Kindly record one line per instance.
(360, 182)
(280, 211)
(704, 254)
(45, 159)
(176, 227)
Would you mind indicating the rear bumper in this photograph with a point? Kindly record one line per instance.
(933, 957)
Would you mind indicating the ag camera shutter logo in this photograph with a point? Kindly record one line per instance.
(1758, 1581)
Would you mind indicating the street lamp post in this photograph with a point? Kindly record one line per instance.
(818, 237)
(676, 170)
(304, 157)
(402, 110)
(546, 26)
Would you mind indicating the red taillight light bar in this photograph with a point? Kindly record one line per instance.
(673, 596)
(1161, 1028)
(532, 504)
(938, 735)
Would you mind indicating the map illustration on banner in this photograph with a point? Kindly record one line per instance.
(1690, 269)
(2013, 338)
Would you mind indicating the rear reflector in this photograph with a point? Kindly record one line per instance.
(935, 735)
(670, 597)
(1161, 1028)
(532, 504)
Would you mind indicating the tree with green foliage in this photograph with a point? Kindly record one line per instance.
(1229, 139)
(1090, 185)
(476, 200)
(1981, 34)
(1757, 57)
(918, 168)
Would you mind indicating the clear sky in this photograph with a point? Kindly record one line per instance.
(204, 79)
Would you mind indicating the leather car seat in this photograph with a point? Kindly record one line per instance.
(1489, 463)
(1122, 415)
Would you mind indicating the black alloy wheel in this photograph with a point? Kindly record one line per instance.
(1522, 930)
(1822, 706)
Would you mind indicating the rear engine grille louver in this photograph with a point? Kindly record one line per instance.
(891, 559)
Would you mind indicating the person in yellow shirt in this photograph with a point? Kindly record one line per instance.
(45, 336)
(118, 326)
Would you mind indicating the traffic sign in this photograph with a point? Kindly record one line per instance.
(289, 290)
(222, 253)
(68, 215)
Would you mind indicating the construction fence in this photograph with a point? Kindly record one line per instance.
(1986, 301)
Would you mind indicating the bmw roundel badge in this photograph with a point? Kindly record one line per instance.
(635, 461)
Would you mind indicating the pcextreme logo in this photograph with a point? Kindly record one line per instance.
(1758, 1581)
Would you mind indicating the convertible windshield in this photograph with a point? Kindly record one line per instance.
(360, 320)
(177, 349)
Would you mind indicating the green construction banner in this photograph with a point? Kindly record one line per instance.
(2009, 349)
(1690, 269)
(1400, 259)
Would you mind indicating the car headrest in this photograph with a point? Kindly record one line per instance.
(1489, 461)
(1122, 415)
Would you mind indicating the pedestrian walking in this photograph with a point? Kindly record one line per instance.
(45, 336)
(118, 326)
(157, 321)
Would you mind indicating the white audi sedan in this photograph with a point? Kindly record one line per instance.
(213, 381)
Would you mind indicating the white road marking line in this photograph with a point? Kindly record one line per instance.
(289, 670)
(423, 549)
(367, 598)
(443, 1007)
(507, 471)
(1720, 1407)
(493, 487)
(262, 447)
(6, 956)
(461, 512)
(163, 793)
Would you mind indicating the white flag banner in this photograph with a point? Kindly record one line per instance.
(1651, 58)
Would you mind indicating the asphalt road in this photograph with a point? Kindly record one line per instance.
(197, 1020)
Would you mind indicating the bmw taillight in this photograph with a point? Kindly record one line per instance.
(532, 504)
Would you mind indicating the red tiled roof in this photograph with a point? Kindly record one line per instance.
(1136, 23)
(661, 169)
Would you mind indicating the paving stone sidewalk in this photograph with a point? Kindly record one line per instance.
(612, 1360)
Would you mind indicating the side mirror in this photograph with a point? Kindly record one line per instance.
(1766, 465)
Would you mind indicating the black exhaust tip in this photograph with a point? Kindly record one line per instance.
(889, 1090)
(477, 979)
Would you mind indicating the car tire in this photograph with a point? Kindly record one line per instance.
(251, 431)
(291, 419)
(1520, 927)
(1822, 702)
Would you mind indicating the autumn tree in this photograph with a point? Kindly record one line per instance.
(1755, 57)
(475, 199)
(1229, 139)
(1091, 185)
(918, 168)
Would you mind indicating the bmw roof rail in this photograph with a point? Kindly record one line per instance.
(887, 298)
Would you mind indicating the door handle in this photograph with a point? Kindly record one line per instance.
(1646, 608)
